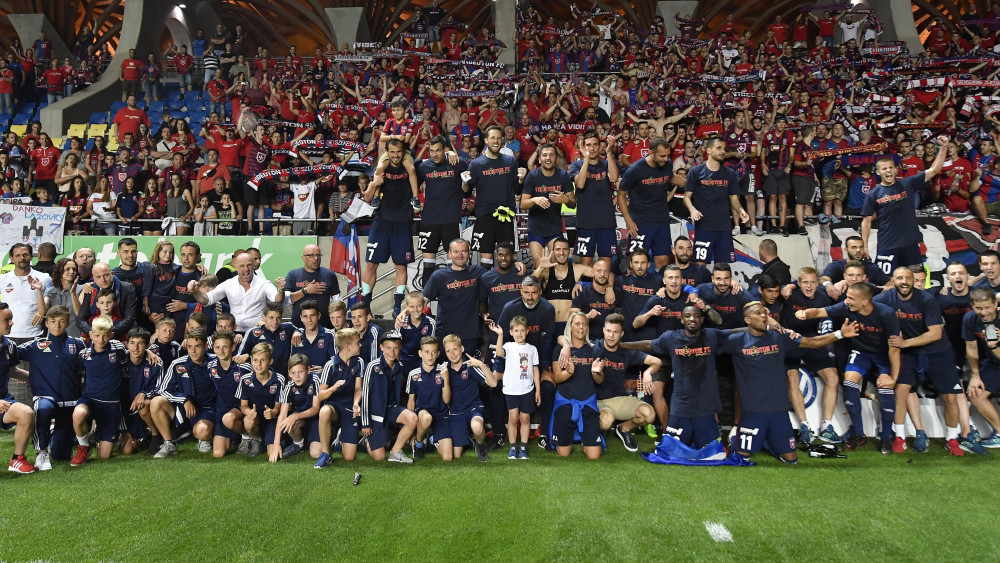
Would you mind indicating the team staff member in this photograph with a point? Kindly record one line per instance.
(20, 288)
(892, 200)
(650, 184)
(494, 176)
(594, 179)
(546, 190)
(311, 281)
(247, 293)
(710, 192)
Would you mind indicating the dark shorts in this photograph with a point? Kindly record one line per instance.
(525, 404)
(600, 242)
(223, 430)
(564, 427)
(267, 428)
(349, 426)
(655, 238)
(750, 186)
(432, 237)
(134, 425)
(815, 359)
(694, 431)
(379, 436)
(772, 432)
(664, 373)
(542, 240)
(713, 246)
(866, 364)
(777, 183)
(107, 416)
(939, 367)
(130, 87)
(888, 259)
(263, 195)
(460, 422)
(389, 238)
(488, 232)
(990, 374)
(804, 189)
(440, 424)
(7, 426)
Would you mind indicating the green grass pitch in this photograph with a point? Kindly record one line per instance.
(911, 507)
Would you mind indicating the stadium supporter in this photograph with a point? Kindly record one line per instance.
(125, 300)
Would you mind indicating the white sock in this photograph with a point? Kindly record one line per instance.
(246, 436)
(301, 442)
(826, 424)
(900, 430)
(952, 433)
(82, 440)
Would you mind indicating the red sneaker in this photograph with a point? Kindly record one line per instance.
(19, 464)
(898, 445)
(951, 445)
(82, 453)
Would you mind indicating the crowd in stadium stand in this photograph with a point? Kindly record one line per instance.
(755, 135)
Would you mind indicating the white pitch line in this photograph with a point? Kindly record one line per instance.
(718, 532)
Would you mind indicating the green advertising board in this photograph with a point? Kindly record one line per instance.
(279, 255)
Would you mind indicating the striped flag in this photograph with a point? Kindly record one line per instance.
(344, 258)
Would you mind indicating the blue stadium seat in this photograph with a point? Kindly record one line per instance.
(192, 96)
(24, 107)
(117, 106)
(21, 119)
(173, 96)
(155, 118)
(89, 145)
(156, 106)
(98, 118)
(141, 104)
(4, 119)
(65, 145)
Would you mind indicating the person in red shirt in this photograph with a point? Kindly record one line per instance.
(130, 75)
(44, 164)
(7, 88)
(909, 163)
(211, 170)
(54, 81)
(217, 90)
(128, 118)
(184, 62)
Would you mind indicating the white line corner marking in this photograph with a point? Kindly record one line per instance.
(718, 532)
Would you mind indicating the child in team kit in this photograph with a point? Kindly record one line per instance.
(104, 363)
(430, 393)
(380, 408)
(227, 375)
(299, 401)
(13, 414)
(162, 342)
(226, 322)
(340, 393)
(258, 395)
(466, 406)
(143, 377)
(521, 385)
(186, 396)
(413, 325)
(272, 332)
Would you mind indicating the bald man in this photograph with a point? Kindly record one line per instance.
(247, 293)
(126, 300)
(311, 282)
(84, 258)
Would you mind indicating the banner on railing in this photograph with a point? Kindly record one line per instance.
(32, 225)
(278, 255)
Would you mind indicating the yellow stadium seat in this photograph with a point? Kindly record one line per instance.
(112, 144)
(77, 130)
(19, 129)
(97, 130)
(57, 142)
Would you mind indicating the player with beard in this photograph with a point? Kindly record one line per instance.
(442, 209)
(494, 176)
(597, 299)
(921, 343)
(955, 304)
(391, 228)
(833, 275)
(559, 290)
(595, 215)
(819, 361)
(258, 156)
(870, 353)
(711, 192)
(633, 290)
(502, 285)
(892, 200)
(692, 273)
(644, 195)
(982, 348)
(546, 190)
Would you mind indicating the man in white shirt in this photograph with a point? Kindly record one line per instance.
(247, 293)
(22, 289)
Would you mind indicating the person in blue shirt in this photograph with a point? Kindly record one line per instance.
(340, 392)
(380, 398)
(494, 176)
(186, 394)
(142, 376)
(711, 191)
(14, 415)
(429, 389)
(982, 348)
(258, 394)
(413, 325)
(273, 332)
(892, 201)
(227, 374)
(312, 340)
(299, 404)
(465, 411)
(104, 363)
(442, 210)
(546, 190)
(644, 194)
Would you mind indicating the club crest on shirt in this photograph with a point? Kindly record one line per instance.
(273, 389)
(182, 369)
(439, 380)
(281, 335)
(43, 345)
(111, 357)
(145, 373)
(258, 331)
(320, 344)
(72, 347)
(85, 354)
(9, 288)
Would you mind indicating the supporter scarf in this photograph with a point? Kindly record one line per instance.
(888, 50)
(823, 153)
(294, 171)
(971, 101)
(692, 21)
(466, 63)
(886, 99)
(958, 83)
(336, 144)
(927, 83)
(409, 35)
(852, 160)
(352, 58)
(902, 126)
(471, 94)
(749, 77)
(367, 45)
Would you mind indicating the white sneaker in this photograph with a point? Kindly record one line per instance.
(244, 447)
(204, 446)
(736, 231)
(757, 232)
(166, 450)
(399, 457)
(42, 461)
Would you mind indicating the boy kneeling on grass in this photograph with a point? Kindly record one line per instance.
(520, 383)
(299, 409)
(258, 395)
(340, 393)
(104, 362)
(430, 393)
(380, 406)
(227, 374)
(186, 394)
(13, 414)
(143, 377)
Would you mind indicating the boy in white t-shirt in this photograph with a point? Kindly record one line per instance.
(521, 386)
